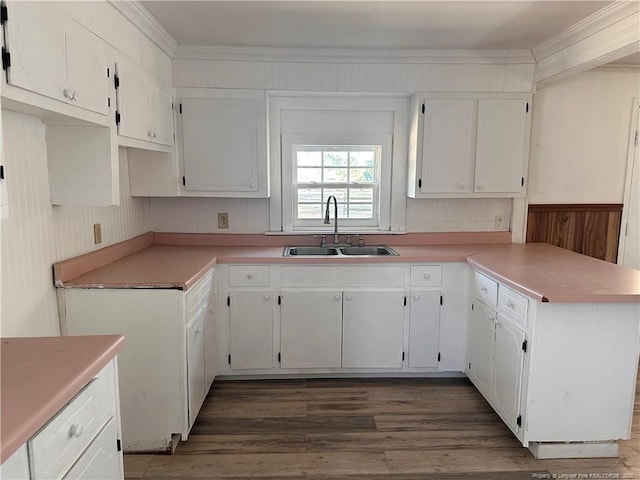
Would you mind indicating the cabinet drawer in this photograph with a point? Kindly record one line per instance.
(426, 275)
(249, 276)
(199, 293)
(512, 305)
(57, 446)
(335, 277)
(486, 289)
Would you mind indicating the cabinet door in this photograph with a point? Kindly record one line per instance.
(133, 102)
(211, 342)
(101, 460)
(161, 114)
(447, 146)
(251, 327)
(424, 328)
(500, 146)
(508, 362)
(195, 364)
(372, 329)
(311, 329)
(480, 340)
(222, 143)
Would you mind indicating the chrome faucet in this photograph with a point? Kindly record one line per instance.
(336, 240)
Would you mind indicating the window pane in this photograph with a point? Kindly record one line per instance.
(339, 193)
(335, 175)
(310, 195)
(306, 210)
(361, 175)
(308, 159)
(335, 159)
(309, 175)
(360, 195)
(362, 159)
(360, 211)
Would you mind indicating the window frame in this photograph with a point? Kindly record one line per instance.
(382, 203)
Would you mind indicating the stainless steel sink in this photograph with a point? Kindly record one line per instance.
(365, 251)
(368, 251)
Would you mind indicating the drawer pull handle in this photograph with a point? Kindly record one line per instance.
(483, 289)
(511, 305)
(336, 297)
(427, 276)
(249, 276)
(75, 430)
(199, 331)
(347, 297)
(266, 298)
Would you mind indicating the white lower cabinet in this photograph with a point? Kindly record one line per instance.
(251, 329)
(424, 328)
(480, 346)
(80, 442)
(164, 372)
(372, 329)
(311, 329)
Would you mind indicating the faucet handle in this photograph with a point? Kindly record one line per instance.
(323, 239)
(349, 240)
(360, 241)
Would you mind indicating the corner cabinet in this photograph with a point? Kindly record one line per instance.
(546, 367)
(469, 146)
(223, 143)
(166, 365)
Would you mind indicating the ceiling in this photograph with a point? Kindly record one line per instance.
(370, 24)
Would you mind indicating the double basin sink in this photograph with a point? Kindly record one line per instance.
(364, 251)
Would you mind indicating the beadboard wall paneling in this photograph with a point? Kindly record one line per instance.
(353, 77)
(200, 215)
(37, 234)
(457, 214)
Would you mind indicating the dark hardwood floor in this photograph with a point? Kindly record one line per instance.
(405, 429)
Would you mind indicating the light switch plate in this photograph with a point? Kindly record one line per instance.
(223, 220)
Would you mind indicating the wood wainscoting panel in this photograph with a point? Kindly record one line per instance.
(590, 229)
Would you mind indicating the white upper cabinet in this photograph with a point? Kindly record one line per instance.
(500, 152)
(469, 146)
(224, 143)
(145, 106)
(52, 56)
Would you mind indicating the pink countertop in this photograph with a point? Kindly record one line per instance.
(552, 274)
(40, 375)
(175, 266)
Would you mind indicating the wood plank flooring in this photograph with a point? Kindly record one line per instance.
(405, 429)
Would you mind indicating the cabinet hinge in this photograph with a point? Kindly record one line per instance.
(109, 102)
(117, 118)
(180, 108)
(419, 183)
(108, 73)
(472, 306)
(405, 300)
(635, 141)
(469, 365)
(184, 181)
(423, 108)
(526, 109)
(4, 15)
(1, 172)
(116, 81)
(522, 182)
(440, 357)
(171, 105)
(519, 420)
(441, 300)
(279, 302)
(229, 359)
(403, 356)
(6, 59)
(119, 445)
(228, 301)
(524, 346)
(279, 358)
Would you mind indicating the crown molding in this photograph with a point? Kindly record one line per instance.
(586, 27)
(344, 55)
(140, 16)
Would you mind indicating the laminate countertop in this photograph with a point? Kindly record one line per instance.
(40, 375)
(552, 274)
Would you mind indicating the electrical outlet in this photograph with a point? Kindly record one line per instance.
(97, 233)
(223, 220)
(501, 222)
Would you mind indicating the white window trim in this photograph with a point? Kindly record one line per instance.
(383, 208)
(397, 104)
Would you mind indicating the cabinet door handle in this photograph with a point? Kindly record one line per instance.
(252, 185)
(75, 430)
(149, 133)
(427, 276)
(199, 331)
(416, 297)
(67, 93)
(336, 297)
(347, 297)
(463, 186)
(479, 186)
(249, 276)
(154, 134)
(511, 305)
(483, 289)
(266, 298)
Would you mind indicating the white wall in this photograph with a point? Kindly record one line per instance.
(579, 138)
(202, 69)
(37, 234)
